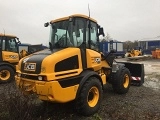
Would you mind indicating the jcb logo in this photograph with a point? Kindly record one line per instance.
(30, 66)
(97, 60)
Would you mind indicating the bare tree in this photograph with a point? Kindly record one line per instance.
(107, 37)
(130, 44)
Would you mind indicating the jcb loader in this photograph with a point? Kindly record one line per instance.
(73, 69)
(137, 51)
(10, 56)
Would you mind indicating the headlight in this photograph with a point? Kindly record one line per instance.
(40, 78)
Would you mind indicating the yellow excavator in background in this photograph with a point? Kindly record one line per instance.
(74, 69)
(9, 56)
(137, 51)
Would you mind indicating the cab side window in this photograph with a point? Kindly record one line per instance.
(10, 45)
(3, 44)
(13, 45)
(77, 32)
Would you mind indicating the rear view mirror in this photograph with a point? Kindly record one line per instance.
(101, 32)
(46, 24)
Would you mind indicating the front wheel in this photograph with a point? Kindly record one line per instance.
(122, 81)
(89, 99)
(6, 74)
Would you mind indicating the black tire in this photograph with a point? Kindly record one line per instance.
(122, 81)
(6, 74)
(92, 89)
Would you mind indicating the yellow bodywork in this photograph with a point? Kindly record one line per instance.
(75, 15)
(48, 66)
(50, 89)
(93, 58)
(23, 53)
(134, 53)
(10, 57)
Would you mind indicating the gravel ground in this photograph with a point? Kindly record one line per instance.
(140, 103)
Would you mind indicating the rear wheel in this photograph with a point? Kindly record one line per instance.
(89, 99)
(6, 74)
(122, 81)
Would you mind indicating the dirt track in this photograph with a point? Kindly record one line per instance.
(140, 103)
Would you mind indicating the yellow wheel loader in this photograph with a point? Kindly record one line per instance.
(9, 56)
(134, 52)
(73, 69)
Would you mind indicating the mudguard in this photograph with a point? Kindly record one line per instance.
(85, 75)
(137, 72)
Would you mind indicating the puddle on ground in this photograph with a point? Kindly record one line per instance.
(152, 66)
(155, 65)
(152, 82)
(152, 69)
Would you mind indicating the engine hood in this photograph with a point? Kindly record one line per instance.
(32, 63)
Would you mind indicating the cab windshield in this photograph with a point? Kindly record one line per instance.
(8, 44)
(73, 33)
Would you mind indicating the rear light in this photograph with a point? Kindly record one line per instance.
(40, 78)
(44, 78)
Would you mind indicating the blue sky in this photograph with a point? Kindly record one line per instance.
(122, 19)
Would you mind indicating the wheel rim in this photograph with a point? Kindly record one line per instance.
(93, 96)
(4, 75)
(126, 81)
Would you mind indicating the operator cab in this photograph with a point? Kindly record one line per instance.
(74, 31)
(9, 43)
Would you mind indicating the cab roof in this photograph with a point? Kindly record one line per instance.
(74, 15)
(7, 35)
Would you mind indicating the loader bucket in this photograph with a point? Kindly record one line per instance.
(137, 72)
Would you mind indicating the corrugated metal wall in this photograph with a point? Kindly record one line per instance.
(149, 46)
